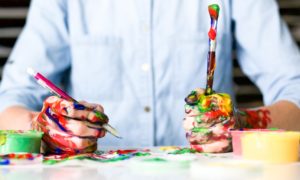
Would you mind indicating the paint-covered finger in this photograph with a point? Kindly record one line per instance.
(81, 112)
(66, 142)
(92, 106)
(75, 110)
(67, 125)
(82, 129)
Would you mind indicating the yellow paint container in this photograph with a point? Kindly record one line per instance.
(272, 147)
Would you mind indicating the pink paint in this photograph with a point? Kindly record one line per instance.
(236, 138)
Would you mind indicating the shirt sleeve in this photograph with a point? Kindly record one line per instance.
(266, 51)
(42, 45)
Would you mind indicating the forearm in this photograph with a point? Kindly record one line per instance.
(283, 115)
(16, 118)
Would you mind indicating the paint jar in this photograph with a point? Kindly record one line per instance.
(271, 147)
(237, 134)
(20, 141)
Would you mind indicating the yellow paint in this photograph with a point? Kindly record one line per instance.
(272, 147)
(223, 101)
(168, 148)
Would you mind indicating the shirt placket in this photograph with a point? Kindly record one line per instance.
(146, 72)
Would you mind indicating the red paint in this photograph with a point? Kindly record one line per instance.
(215, 114)
(258, 118)
(212, 34)
(197, 147)
(213, 13)
(12, 156)
(126, 151)
(229, 124)
(219, 138)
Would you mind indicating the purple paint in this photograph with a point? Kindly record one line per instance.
(54, 119)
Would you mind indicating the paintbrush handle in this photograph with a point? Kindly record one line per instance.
(211, 60)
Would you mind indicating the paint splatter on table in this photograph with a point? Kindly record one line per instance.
(110, 156)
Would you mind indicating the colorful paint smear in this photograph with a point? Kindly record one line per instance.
(184, 151)
(104, 157)
(98, 156)
(20, 158)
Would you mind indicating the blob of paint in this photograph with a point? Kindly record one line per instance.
(214, 10)
(183, 151)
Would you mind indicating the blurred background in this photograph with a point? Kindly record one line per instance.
(13, 14)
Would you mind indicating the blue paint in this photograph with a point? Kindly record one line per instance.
(4, 162)
(54, 119)
(79, 106)
(58, 151)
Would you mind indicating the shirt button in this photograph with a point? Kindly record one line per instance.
(145, 67)
(147, 109)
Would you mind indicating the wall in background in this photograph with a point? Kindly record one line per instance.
(13, 14)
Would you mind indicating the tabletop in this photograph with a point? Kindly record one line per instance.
(150, 163)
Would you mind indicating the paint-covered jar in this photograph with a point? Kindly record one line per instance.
(236, 135)
(12, 141)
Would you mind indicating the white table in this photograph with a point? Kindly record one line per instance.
(199, 166)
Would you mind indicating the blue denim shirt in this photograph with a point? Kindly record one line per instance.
(140, 58)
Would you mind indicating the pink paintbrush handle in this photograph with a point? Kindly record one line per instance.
(49, 85)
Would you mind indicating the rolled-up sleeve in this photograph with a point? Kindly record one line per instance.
(42, 45)
(266, 50)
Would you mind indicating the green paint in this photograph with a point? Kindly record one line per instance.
(51, 161)
(100, 115)
(119, 158)
(20, 141)
(142, 154)
(83, 157)
(192, 98)
(183, 151)
(273, 129)
(198, 119)
(215, 7)
(155, 160)
(205, 154)
(202, 130)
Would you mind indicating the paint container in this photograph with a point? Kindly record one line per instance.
(237, 134)
(20, 141)
(271, 147)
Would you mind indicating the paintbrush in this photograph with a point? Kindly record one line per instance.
(60, 93)
(212, 34)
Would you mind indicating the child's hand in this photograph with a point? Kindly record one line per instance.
(70, 127)
(208, 120)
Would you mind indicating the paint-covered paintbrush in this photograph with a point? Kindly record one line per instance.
(212, 34)
(43, 81)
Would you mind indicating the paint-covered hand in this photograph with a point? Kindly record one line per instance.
(70, 127)
(258, 118)
(208, 119)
